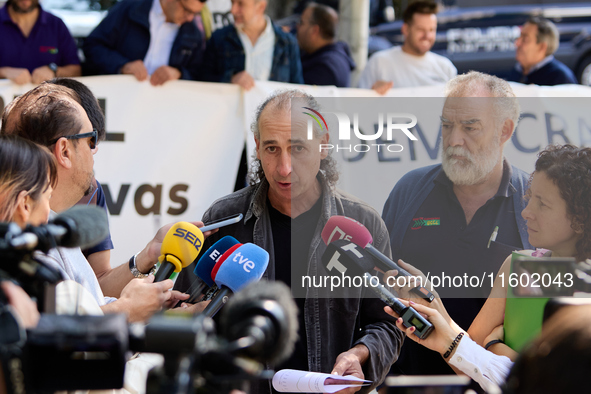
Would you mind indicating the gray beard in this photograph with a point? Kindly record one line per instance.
(473, 173)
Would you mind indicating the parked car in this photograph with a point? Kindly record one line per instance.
(80, 16)
(482, 38)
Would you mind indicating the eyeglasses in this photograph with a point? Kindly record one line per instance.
(93, 142)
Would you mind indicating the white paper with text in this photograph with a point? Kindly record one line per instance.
(294, 381)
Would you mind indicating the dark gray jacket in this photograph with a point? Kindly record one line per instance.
(333, 325)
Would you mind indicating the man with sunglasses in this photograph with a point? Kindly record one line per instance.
(92, 136)
(99, 255)
(149, 39)
(51, 115)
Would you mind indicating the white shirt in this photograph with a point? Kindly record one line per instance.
(486, 368)
(406, 70)
(73, 265)
(71, 298)
(162, 35)
(259, 57)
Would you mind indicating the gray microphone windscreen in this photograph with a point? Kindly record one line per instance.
(87, 226)
(266, 290)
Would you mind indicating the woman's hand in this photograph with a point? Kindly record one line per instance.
(442, 335)
(409, 282)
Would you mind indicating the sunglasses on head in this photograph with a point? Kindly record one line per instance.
(93, 142)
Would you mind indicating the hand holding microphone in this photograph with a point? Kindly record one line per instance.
(443, 333)
(342, 227)
(146, 259)
(403, 288)
(141, 298)
(180, 248)
(348, 258)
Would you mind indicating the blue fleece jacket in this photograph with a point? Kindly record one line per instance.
(553, 73)
(330, 65)
(124, 36)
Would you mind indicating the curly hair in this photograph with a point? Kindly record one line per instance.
(569, 167)
(281, 101)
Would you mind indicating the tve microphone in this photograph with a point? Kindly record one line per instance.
(347, 257)
(223, 257)
(214, 271)
(81, 225)
(205, 265)
(342, 227)
(245, 265)
(180, 247)
(261, 320)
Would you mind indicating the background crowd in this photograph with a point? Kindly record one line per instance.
(167, 40)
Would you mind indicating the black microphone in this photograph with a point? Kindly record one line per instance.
(83, 226)
(348, 258)
(261, 320)
(342, 227)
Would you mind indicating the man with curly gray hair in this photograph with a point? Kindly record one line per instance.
(291, 196)
(462, 217)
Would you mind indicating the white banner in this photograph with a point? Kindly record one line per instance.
(180, 151)
(557, 114)
(181, 143)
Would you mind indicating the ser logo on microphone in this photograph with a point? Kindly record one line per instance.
(247, 264)
(189, 236)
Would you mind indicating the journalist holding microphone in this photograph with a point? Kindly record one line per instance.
(51, 116)
(557, 216)
(27, 178)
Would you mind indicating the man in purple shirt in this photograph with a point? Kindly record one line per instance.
(35, 46)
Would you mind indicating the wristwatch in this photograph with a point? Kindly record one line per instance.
(53, 67)
(136, 272)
